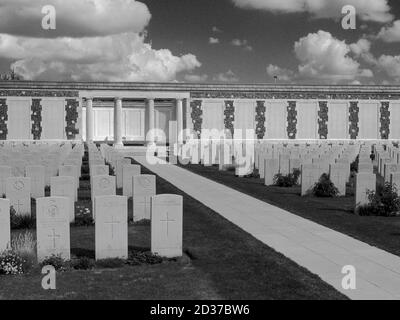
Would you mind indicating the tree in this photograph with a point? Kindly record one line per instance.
(11, 76)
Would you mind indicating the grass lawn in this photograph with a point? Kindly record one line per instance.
(221, 262)
(334, 213)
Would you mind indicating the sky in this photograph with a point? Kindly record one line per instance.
(211, 41)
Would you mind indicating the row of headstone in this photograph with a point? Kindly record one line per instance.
(111, 229)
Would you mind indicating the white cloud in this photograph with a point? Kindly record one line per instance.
(228, 76)
(242, 43)
(390, 33)
(124, 57)
(213, 40)
(215, 29)
(367, 10)
(390, 65)
(326, 58)
(75, 18)
(196, 77)
(281, 73)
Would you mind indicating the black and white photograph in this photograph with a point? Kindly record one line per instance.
(199, 156)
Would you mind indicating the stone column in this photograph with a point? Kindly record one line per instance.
(118, 122)
(89, 120)
(179, 119)
(151, 124)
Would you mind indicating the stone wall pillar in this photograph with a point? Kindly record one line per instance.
(151, 122)
(118, 118)
(89, 120)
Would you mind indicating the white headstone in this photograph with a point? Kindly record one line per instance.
(102, 186)
(18, 190)
(338, 176)
(53, 234)
(144, 187)
(365, 168)
(5, 172)
(111, 227)
(119, 170)
(310, 174)
(5, 228)
(271, 168)
(128, 172)
(70, 171)
(364, 182)
(167, 225)
(99, 170)
(37, 175)
(64, 187)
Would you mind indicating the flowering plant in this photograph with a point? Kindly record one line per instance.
(11, 263)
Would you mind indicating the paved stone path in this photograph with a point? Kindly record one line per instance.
(319, 249)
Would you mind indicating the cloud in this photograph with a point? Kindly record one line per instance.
(196, 78)
(213, 40)
(326, 58)
(367, 10)
(281, 73)
(390, 65)
(390, 33)
(215, 29)
(361, 49)
(74, 18)
(323, 58)
(124, 57)
(228, 76)
(242, 43)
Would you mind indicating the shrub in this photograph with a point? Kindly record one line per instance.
(11, 263)
(354, 165)
(25, 246)
(324, 188)
(57, 261)
(287, 181)
(111, 263)
(83, 263)
(21, 222)
(383, 202)
(140, 257)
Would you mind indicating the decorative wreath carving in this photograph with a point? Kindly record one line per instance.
(292, 120)
(354, 119)
(71, 118)
(385, 120)
(323, 120)
(36, 118)
(197, 116)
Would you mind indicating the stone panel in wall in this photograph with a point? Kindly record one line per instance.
(244, 116)
(133, 126)
(53, 119)
(19, 118)
(276, 120)
(307, 120)
(368, 120)
(394, 120)
(213, 117)
(103, 124)
(338, 120)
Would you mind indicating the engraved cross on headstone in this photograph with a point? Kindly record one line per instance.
(54, 236)
(112, 223)
(167, 221)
